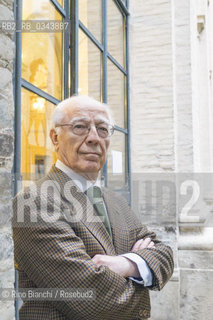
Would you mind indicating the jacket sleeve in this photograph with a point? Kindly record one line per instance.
(53, 256)
(159, 259)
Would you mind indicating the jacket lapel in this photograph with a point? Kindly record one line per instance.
(119, 226)
(81, 208)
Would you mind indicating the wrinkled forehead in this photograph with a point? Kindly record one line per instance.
(87, 112)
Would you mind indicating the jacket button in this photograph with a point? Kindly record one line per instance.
(146, 313)
(141, 313)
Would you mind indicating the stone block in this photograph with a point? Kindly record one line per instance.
(196, 294)
(7, 3)
(151, 92)
(5, 212)
(7, 274)
(6, 99)
(7, 310)
(7, 51)
(7, 264)
(6, 163)
(164, 303)
(5, 12)
(195, 259)
(6, 246)
(6, 144)
(6, 112)
(5, 81)
(5, 183)
(7, 279)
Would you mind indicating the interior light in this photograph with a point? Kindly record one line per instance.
(38, 104)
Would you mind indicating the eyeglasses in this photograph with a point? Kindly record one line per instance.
(104, 130)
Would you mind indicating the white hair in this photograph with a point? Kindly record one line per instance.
(59, 113)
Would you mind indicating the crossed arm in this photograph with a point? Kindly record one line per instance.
(122, 265)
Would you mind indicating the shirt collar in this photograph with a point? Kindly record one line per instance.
(79, 180)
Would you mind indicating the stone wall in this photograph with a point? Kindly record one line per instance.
(152, 127)
(171, 135)
(196, 237)
(151, 86)
(6, 158)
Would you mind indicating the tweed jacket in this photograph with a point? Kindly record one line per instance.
(56, 232)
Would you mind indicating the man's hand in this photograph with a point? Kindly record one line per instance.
(120, 265)
(143, 244)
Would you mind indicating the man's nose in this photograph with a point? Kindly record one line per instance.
(93, 136)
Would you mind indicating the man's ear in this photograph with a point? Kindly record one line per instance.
(54, 138)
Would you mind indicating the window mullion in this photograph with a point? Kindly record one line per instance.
(74, 47)
(18, 66)
(128, 105)
(122, 7)
(104, 74)
(58, 7)
(104, 9)
(66, 53)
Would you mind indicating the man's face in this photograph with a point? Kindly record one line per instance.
(84, 154)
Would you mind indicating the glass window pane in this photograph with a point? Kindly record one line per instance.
(42, 53)
(90, 14)
(89, 67)
(61, 2)
(116, 94)
(115, 23)
(116, 161)
(37, 152)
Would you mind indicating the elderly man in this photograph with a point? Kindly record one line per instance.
(69, 233)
